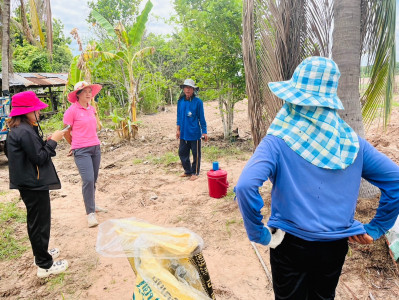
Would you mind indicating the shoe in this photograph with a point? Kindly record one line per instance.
(185, 175)
(193, 177)
(55, 252)
(58, 267)
(91, 220)
(100, 209)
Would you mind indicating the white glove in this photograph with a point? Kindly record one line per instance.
(277, 236)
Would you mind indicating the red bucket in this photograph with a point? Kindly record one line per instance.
(217, 183)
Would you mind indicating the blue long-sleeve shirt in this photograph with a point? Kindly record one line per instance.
(313, 203)
(191, 119)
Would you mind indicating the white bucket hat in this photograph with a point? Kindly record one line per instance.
(189, 82)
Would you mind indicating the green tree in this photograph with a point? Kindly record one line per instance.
(30, 58)
(210, 39)
(168, 60)
(114, 11)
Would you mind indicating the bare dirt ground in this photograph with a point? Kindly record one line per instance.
(132, 174)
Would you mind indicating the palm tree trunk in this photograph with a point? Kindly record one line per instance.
(49, 28)
(346, 53)
(5, 51)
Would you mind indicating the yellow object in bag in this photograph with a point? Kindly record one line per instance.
(168, 262)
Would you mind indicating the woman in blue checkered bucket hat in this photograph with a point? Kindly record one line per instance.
(315, 162)
(308, 121)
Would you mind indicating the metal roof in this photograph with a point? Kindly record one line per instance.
(38, 79)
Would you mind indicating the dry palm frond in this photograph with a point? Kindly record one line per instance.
(25, 27)
(277, 36)
(37, 29)
(378, 45)
(75, 35)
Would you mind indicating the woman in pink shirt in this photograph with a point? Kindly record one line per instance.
(85, 145)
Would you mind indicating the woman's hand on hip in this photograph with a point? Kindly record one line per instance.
(361, 239)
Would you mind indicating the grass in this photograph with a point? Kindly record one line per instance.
(138, 161)
(11, 246)
(232, 222)
(213, 153)
(167, 159)
(55, 281)
(11, 212)
(230, 195)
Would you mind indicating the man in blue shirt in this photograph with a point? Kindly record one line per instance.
(315, 162)
(191, 127)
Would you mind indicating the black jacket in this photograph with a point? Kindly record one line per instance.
(29, 160)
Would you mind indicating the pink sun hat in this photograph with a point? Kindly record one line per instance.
(25, 102)
(95, 89)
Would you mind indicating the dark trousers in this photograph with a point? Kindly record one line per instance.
(304, 270)
(38, 222)
(184, 154)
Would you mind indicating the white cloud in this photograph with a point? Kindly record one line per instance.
(75, 13)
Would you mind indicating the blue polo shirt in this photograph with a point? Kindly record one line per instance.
(313, 203)
(191, 119)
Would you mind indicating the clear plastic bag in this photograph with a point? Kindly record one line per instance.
(393, 239)
(168, 262)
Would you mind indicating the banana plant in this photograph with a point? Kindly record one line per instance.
(126, 53)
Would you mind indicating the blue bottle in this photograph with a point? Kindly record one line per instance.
(215, 166)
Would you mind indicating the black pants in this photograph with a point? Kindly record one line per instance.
(38, 222)
(184, 154)
(304, 270)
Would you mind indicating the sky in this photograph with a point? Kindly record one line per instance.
(76, 12)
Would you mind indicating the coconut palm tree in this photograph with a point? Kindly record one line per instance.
(5, 45)
(360, 27)
(279, 34)
(369, 27)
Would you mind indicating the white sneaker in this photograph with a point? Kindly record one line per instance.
(91, 220)
(100, 209)
(58, 267)
(55, 252)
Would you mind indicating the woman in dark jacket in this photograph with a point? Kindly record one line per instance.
(32, 172)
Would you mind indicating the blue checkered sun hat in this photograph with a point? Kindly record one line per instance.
(314, 83)
(308, 122)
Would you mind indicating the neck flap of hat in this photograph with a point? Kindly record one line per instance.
(317, 134)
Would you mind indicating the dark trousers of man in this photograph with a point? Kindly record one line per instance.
(304, 270)
(38, 222)
(184, 154)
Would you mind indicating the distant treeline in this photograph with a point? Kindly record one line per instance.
(365, 70)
